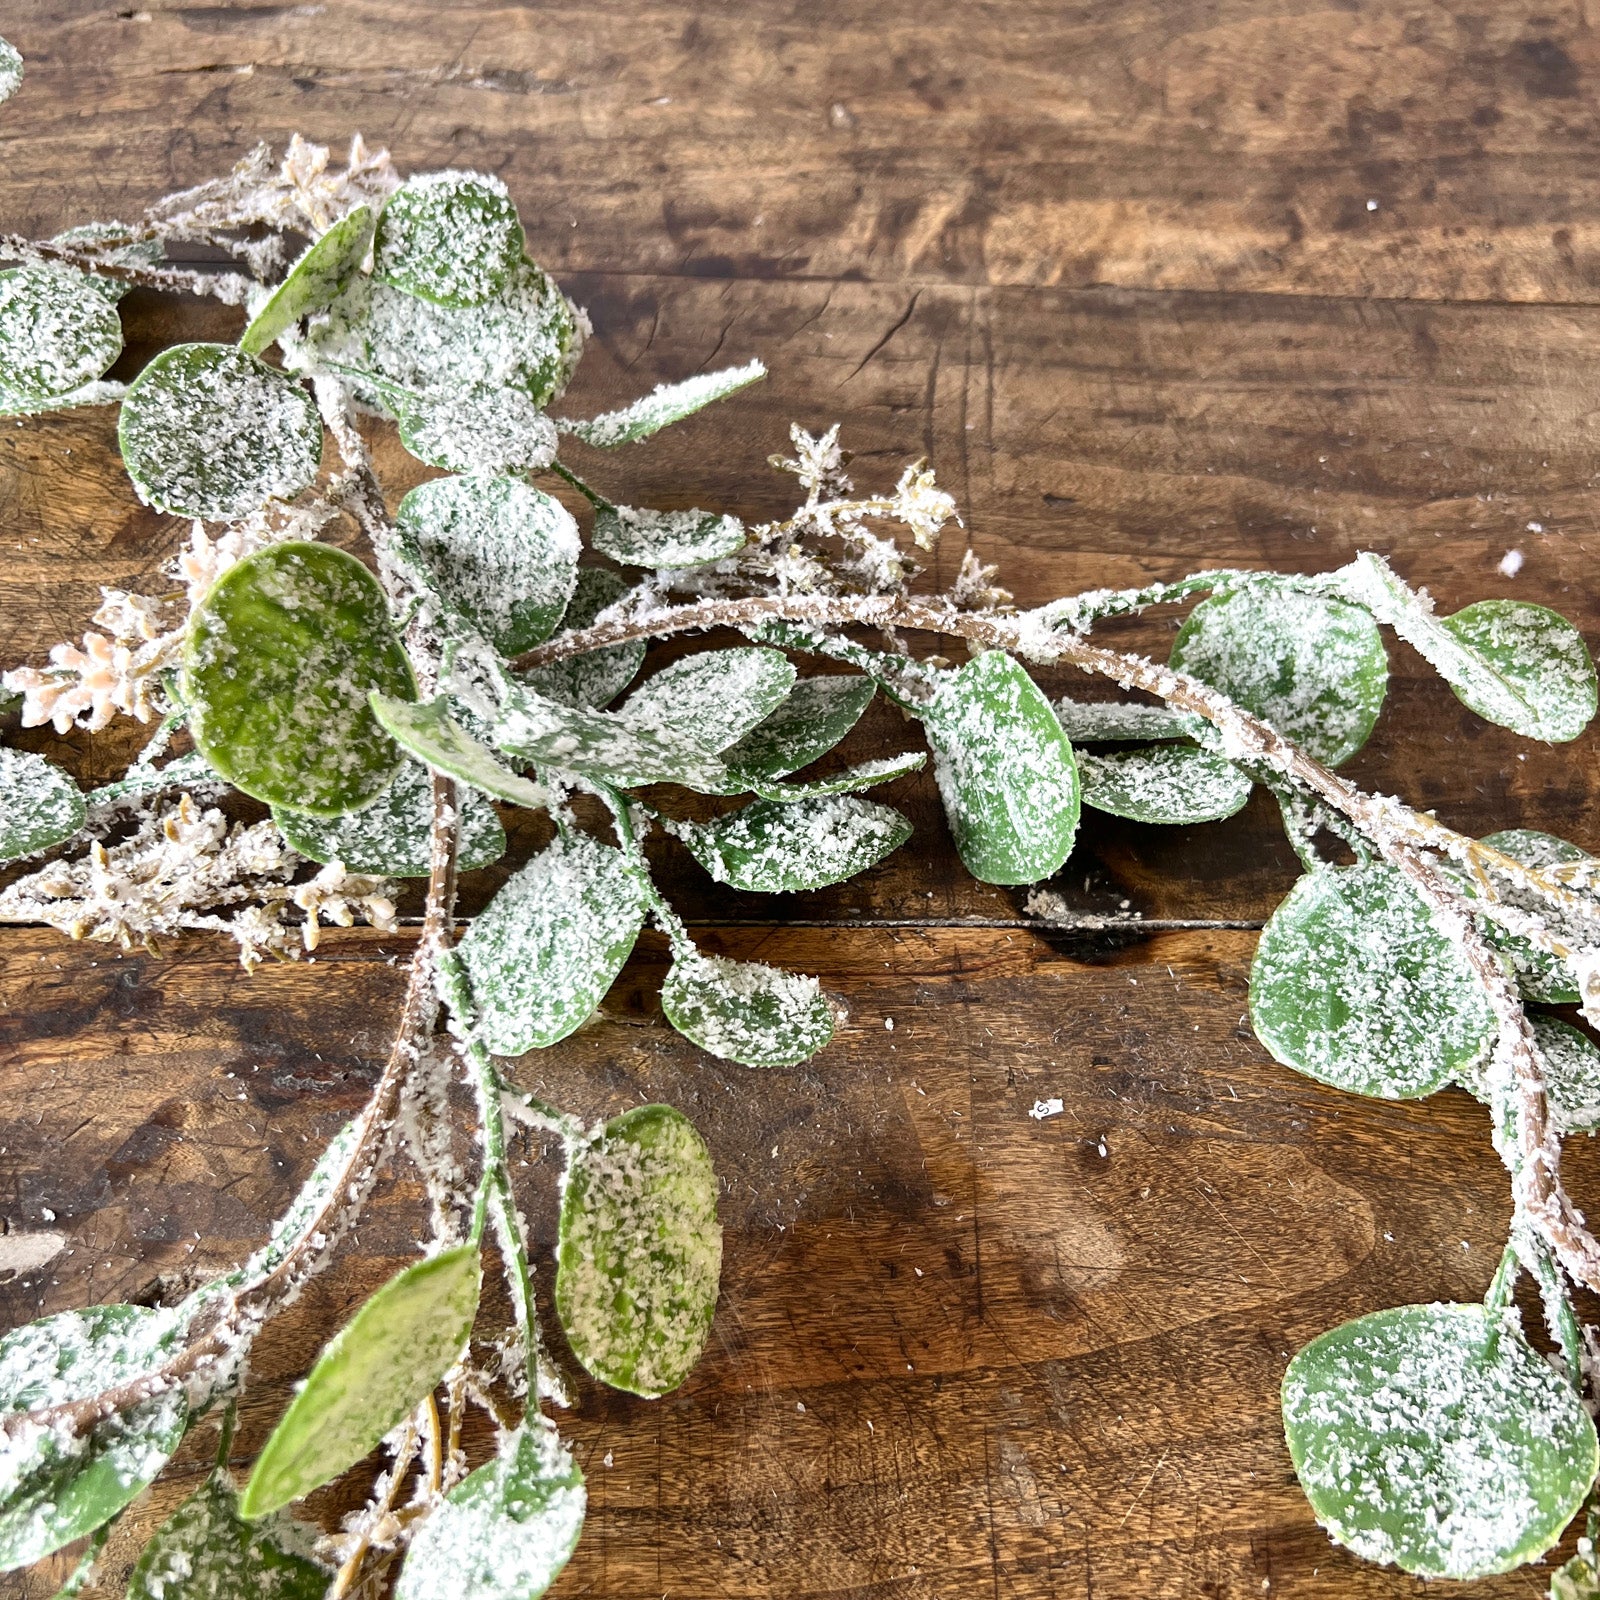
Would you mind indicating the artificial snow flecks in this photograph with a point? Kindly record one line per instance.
(315, 281)
(429, 732)
(449, 237)
(774, 848)
(665, 404)
(542, 954)
(1111, 722)
(640, 1253)
(1433, 1438)
(475, 430)
(810, 720)
(642, 538)
(1571, 1066)
(866, 775)
(1165, 783)
(1353, 984)
(308, 1205)
(745, 1012)
(711, 699)
(40, 805)
(11, 70)
(279, 660)
(208, 431)
(597, 676)
(1005, 771)
(58, 333)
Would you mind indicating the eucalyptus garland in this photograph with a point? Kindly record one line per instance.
(486, 651)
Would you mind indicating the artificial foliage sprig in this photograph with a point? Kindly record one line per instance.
(477, 655)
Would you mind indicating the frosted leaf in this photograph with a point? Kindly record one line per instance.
(868, 775)
(39, 804)
(665, 404)
(432, 736)
(1005, 770)
(1571, 1074)
(505, 1531)
(208, 431)
(316, 280)
(1166, 783)
(449, 237)
(371, 1375)
(1579, 1579)
(815, 715)
(541, 955)
(135, 253)
(1531, 669)
(206, 1551)
(1354, 985)
(11, 70)
(55, 1488)
(640, 1252)
(390, 838)
(279, 659)
(307, 1205)
(476, 430)
(745, 1012)
(1312, 668)
(600, 675)
(772, 848)
(99, 393)
(1432, 1437)
(641, 538)
(58, 332)
(1109, 722)
(502, 554)
(714, 698)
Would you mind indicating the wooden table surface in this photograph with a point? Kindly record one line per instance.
(1154, 284)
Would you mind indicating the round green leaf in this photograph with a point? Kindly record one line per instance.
(373, 1373)
(476, 430)
(1314, 669)
(39, 804)
(815, 715)
(279, 660)
(599, 676)
(711, 699)
(1536, 678)
(641, 538)
(1168, 783)
(209, 431)
(314, 281)
(773, 848)
(1571, 1074)
(1355, 986)
(1432, 1437)
(57, 332)
(640, 1252)
(502, 554)
(745, 1012)
(449, 237)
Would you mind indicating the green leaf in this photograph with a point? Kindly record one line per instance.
(641, 538)
(505, 1531)
(316, 280)
(206, 1551)
(815, 715)
(1541, 977)
(1168, 783)
(373, 1373)
(772, 848)
(99, 393)
(449, 237)
(11, 70)
(601, 675)
(1534, 674)
(1005, 771)
(39, 805)
(432, 736)
(209, 431)
(1110, 722)
(306, 1207)
(1432, 1437)
(1312, 668)
(540, 957)
(665, 404)
(868, 775)
(712, 699)
(58, 332)
(475, 430)
(640, 1253)
(1354, 985)
(745, 1012)
(277, 666)
(502, 554)
(390, 838)
(1571, 1074)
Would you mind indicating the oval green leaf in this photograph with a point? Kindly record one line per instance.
(429, 732)
(599, 676)
(39, 804)
(280, 658)
(711, 699)
(1433, 1438)
(745, 1012)
(314, 281)
(450, 237)
(1111, 722)
(1176, 784)
(58, 331)
(1543, 978)
(665, 404)
(868, 775)
(640, 1252)
(476, 430)
(773, 848)
(1571, 1074)
(641, 538)
(815, 715)
(372, 1374)
(1534, 673)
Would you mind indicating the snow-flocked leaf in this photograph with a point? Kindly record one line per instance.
(1534, 672)
(665, 404)
(99, 393)
(475, 430)
(209, 431)
(1571, 1074)
(642, 538)
(640, 1251)
(505, 1531)
(39, 804)
(600, 675)
(1005, 771)
(428, 731)
(711, 699)
(1167, 783)
(868, 775)
(1313, 668)
(1112, 722)
(772, 848)
(812, 718)
(540, 957)
(11, 70)
(390, 838)
(278, 663)
(502, 554)
(1434, 1438)
(745, 1012)
(316, 280)
(1355, 986)
(58, 332)
(449, 237)
(315, 1195)
(371, 1375)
